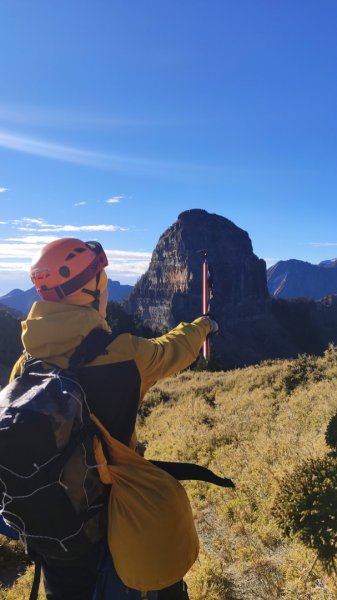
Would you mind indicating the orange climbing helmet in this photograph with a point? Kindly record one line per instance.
(64, 266)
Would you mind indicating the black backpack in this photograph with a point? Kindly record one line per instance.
(50, 490)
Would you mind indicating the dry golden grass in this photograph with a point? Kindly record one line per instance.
(244, 424)
(254, 426)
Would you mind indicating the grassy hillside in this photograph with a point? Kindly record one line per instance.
(253, 425)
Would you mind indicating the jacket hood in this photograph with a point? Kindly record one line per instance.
(52, 330)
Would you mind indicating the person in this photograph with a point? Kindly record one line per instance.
(71, 280)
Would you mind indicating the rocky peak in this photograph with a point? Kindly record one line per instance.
(170, 291)
(253, 327)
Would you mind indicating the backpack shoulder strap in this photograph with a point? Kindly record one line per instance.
(34, 592)
(92, 346)
(191, 471)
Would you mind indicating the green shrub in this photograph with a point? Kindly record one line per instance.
(306, 507)
(331, 433)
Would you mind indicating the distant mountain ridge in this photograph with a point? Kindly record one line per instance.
(22, 301)
(299, 279)
(328, 263)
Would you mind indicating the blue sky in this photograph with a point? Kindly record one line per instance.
(117, 115)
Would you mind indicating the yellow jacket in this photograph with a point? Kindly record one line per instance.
(117, 381)
(151, 531)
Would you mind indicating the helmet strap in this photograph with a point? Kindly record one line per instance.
(96, 293)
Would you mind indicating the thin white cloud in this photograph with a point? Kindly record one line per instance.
(15, 250)
(114, 199)
(128, 254)
(28, 221)
(71, 228)
(3, 189)
(80, 203)
(32, 239)
(127, 263)
(42, 226)
(66, 153)
(11, 267)
(127, 269)
(47, 149)
(16, 255)
(3, 223)
(26, 246)
(322, 244)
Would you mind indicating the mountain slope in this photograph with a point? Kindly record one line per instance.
(22, 300)
(298, 279)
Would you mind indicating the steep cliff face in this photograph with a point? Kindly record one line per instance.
(253, 327)
(170, 291)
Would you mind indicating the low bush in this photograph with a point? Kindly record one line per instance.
(306, 507)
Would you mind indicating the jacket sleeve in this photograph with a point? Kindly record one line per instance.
(170, 353)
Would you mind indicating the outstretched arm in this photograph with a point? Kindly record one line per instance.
(170, 353)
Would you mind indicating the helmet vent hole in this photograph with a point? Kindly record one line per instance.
(64, 271)
(80, 250)
(70, 255)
